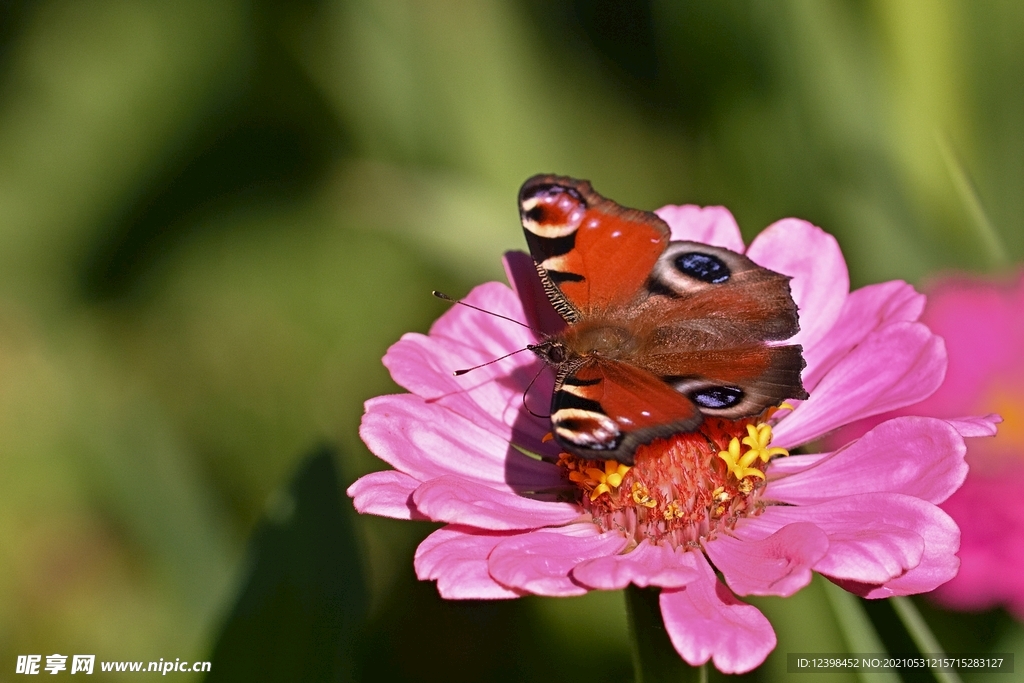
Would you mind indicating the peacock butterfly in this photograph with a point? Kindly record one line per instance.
(658, 333)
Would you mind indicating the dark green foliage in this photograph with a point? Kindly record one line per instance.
(304, 598)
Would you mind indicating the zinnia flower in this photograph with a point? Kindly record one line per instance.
(983, 326)
(523, 518)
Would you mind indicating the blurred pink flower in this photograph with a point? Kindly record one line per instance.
(866, 516)
(983, 327)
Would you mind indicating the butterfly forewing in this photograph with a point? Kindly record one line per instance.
(723, 290)
(592, 254)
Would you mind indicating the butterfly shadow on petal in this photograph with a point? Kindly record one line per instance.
(529, 460)
(533, 384)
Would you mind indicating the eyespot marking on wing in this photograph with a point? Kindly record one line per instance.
(691, 266)
(586, 429)
(551, 211)
(704, 267)
(717, 398)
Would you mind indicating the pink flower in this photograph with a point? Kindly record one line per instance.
(866, 516)
(983, 326)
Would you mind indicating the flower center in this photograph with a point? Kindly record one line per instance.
(680, 489)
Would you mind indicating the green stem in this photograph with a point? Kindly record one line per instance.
(655, 660)
(923, 637)
(858, 631)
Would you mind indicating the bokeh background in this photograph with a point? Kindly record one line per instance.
(216, 215)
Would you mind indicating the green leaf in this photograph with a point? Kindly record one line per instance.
(304, 598)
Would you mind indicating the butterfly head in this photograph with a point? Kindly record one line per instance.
(551, 351)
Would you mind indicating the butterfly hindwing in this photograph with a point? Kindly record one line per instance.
(717, 311)
(732, 382)
(603, 409)
(591, 253)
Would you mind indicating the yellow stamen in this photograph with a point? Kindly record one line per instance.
(774, 409)
(739, 466)
(614, 472)
(758, 438)
(603, 481)
(720, 495)
(641, 496)
(673, 511)
(757, 442)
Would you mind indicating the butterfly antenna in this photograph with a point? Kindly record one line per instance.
(528, 387)
(445, 297)
(459, 373)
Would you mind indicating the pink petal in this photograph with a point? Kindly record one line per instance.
(491, 397)
(705, 621)
(865, 310)
(465, 326)
(541, 562)
(976, 426)
(388, 494)
(783, 466)
(779, 564)
(983, 328)
(645, 565)
(917, 456)
(895, 366)
(457, 500)
(989, 510)
(873, 537)
(712, 225)
(456, 557)
(813, 259)
(938, 565)
(522, 275)
(426, 441)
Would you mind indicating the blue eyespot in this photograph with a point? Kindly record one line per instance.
(704, 267)
(717, 397)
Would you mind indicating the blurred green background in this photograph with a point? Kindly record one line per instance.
(216, 215)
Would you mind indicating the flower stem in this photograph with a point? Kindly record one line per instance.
(923, 637)
(858, 631)
(654, 658)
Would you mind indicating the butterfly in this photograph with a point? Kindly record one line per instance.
(659, 333)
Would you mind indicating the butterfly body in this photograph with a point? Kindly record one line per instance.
(659, 333)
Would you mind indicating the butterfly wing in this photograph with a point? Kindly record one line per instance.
(694, 285)
(700, 320)
(732, 382)
(717, 312)
(591, 254)
(603, 409)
